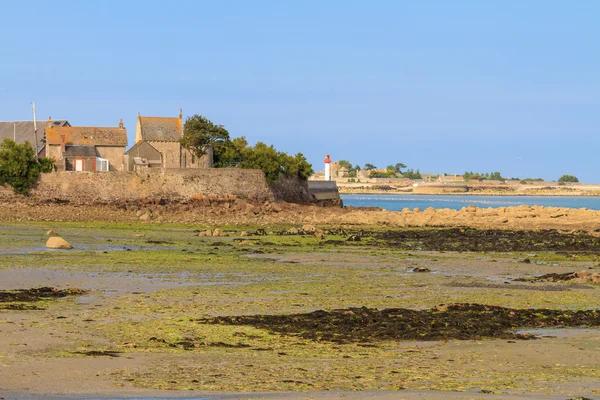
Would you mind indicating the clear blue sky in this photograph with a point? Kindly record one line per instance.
(444, 86)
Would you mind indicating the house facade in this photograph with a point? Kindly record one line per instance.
(87, 148)
(21, 131)
(163, 134)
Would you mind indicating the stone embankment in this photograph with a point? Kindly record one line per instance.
(215, 210)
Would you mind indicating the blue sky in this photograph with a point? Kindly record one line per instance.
(443, 86)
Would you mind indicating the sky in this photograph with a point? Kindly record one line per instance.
(442, 86)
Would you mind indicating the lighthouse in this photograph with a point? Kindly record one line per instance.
(327, 167)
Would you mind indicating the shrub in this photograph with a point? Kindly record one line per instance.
(19, 167)
(568, 179)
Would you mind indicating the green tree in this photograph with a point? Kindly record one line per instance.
(410, 174)
(398, 167)
(345, 164)
(274, 163)
(296, 166)
(199, 133)
(568, 179)
(229, 152)
(369, 167)
(19, 167)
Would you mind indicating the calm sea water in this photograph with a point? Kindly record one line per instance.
(398, 202)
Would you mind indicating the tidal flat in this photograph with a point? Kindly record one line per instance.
(148, 309)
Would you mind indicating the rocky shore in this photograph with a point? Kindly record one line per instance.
(213, 210)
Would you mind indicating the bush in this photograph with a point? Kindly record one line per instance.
(19, 167)
(568, 179)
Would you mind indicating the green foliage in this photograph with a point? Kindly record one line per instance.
(369, 167)
(410, 174)
(398, 167)
(382, 174)
(345, 164)
(46, 164)
(18, 166)
(476, 176)
(274, 163)
(229, 152)
(568, 179)
(199, 133)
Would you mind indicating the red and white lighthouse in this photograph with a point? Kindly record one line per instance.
(327, 167)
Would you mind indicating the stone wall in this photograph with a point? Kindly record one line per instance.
(167, 184)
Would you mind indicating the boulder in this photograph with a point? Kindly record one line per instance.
(146, 216)
(309, 229)
(56, 242)
(218, 232)
(51, 232)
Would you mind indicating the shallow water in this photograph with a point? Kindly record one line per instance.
(397, 202)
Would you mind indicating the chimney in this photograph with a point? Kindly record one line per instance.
(181, 114)
(49, 123)
(121, 123)
(62, 143)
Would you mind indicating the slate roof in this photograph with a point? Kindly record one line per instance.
(161, 129)
(87, 151)
(24, 130)
(87, 135)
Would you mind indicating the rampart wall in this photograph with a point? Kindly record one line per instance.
(167, 184)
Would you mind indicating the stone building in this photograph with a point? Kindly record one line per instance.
(164, 134)
(86, 148)
(21, 131)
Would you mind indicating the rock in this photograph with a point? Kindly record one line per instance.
(471, 209)
(56, 242)
(218, 232)
(51, 232)
(244, 233)
(309, 228)
(139, 235)
(245, 243)
(206, 233)
(354, 238)
(146, 216)
(526, 261)
(320, 234)
(421, 269)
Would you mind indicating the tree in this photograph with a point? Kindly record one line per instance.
(19, 167)
(199, 133)
(568, 179)
(398, 167)
(369, 167)
(229, 152)
(274, 163)
(345, 164)
(410, 174)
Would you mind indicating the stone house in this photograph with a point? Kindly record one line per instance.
(163, 134)
(21, 131)
(86, 148)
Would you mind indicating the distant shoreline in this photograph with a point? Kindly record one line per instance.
(530, 193)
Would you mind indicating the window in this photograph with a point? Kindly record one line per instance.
(101, 165)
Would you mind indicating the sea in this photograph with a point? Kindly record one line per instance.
(397, 202)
